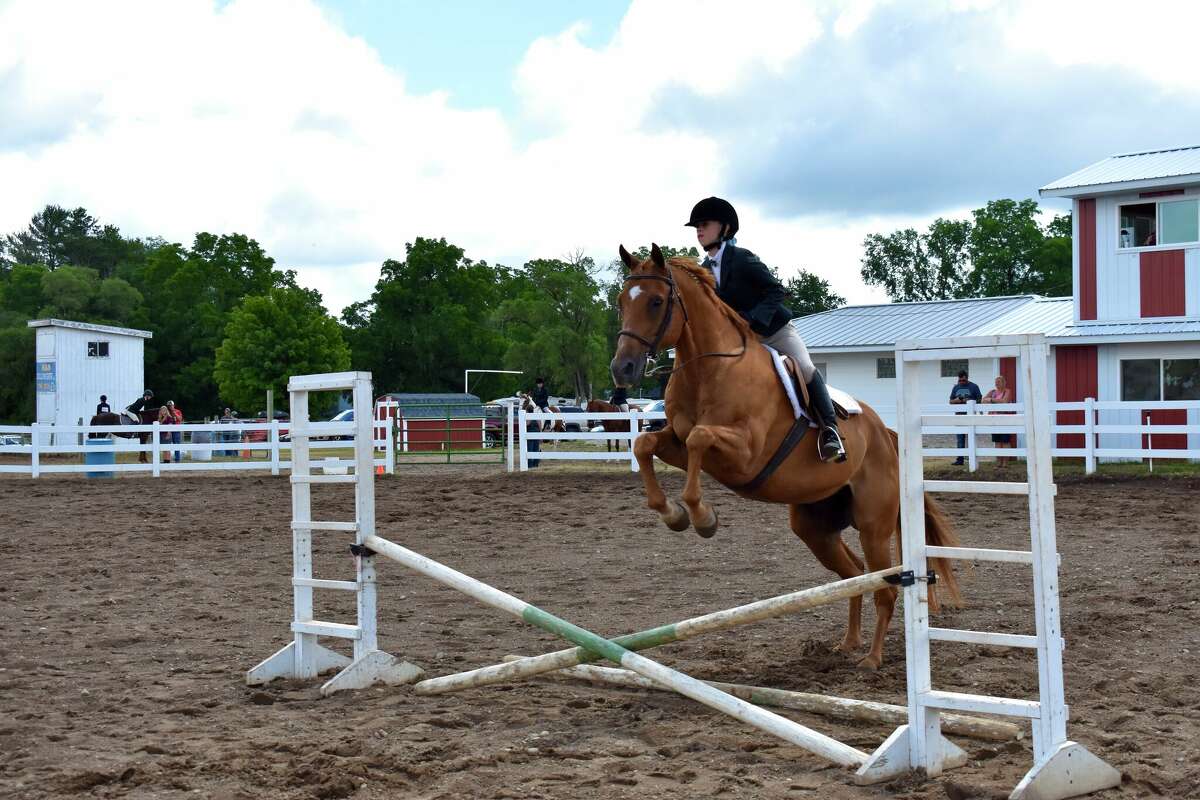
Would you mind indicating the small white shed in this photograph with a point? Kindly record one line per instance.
(76, 362)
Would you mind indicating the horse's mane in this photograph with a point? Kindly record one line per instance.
(708, 285)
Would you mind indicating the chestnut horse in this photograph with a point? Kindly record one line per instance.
(727, 415)
(609, 425)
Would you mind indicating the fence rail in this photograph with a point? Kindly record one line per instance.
(275, 444)
(1102, 440)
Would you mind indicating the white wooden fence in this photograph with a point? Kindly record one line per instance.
(1111, 430)
(39, 441)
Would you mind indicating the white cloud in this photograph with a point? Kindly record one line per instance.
(266, 118)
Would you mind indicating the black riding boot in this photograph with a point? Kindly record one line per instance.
(829, 441)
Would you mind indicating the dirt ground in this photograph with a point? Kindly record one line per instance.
(132, 608)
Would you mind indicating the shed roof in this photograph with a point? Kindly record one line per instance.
(1125, 171)
(88, 326)
(1052, 316)
(875, 326)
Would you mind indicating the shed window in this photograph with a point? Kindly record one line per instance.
(1168, 222)
(97, 349)
(885, 367)
(952, 366)
(1180, 222)
(1181, 379)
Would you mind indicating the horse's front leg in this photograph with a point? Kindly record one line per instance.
(666, 445)
(701, 439)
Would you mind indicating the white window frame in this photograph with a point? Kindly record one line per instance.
(1158, 202)
(878, 362)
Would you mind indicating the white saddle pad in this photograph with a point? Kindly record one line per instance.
(837, 395)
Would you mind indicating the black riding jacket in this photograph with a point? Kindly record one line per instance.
(749, 288)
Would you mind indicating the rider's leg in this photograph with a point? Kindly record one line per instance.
(829, 441)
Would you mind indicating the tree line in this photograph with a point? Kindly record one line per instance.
(228, 323)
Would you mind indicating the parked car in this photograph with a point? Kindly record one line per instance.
(572, 426)
(341, 416)
(655, 424)
(11, 440)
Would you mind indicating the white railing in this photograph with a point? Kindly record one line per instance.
(1111, 430)
(269, 438)
(584, 419)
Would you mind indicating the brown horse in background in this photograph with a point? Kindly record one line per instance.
(609, 425)
(125, 418)
(727, 414)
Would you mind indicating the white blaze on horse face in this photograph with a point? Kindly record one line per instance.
(634, 291)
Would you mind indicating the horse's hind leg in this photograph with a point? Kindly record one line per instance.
(833, 553)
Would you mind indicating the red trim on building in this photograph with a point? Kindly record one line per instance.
(1076, 377)
(1166, 416)
(1087, 259)
(1163, 284)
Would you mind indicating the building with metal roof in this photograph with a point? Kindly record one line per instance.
(1141, 170)
(1130, 330)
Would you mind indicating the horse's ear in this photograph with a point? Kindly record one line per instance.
(629, 261)
(657, 256)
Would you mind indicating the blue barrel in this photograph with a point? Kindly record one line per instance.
(99, 458)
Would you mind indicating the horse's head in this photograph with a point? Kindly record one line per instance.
(652, 315)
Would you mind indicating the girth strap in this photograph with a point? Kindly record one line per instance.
(794, 435)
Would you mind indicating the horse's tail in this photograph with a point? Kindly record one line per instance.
(939, 532)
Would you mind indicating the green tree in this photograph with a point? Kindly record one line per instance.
(189, 295)
(56, 237)
(429, 318)
(811, 294)
(69, 292)
(16, 364)
(1001, 250)
(22, 290)
(556, 323)
(271, 337)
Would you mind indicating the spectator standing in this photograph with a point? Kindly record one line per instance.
(1001, 394)
(165, 417)
(177, 416)
(960, 394)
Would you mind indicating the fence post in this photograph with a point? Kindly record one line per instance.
(510, 417)
(1089, 411)
(389, 438)
(635, 428)
(155, 451)
(522, 440)
(274, 446)
(972, 456)
(1150, 441)
(35, 455)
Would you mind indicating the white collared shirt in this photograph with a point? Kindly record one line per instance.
(716, 265)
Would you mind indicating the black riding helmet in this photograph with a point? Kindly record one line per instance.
(716, 210)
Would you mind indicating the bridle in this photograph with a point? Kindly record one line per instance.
(673, 296)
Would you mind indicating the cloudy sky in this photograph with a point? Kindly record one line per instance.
(335, 132)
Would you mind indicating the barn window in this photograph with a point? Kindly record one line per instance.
(952, 366)
(1140, 379)
(1139, 225)
(97, 349)
(885, 367)
(1168, 222)
(1180, 222)
(1181, 379)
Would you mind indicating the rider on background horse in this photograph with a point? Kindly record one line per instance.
(746, 285)
(143, 403)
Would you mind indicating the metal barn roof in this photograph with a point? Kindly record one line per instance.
(872, 327)
(1144, 169)
(848, 329)
(87, 326)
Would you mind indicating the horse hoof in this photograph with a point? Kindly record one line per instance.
(676, 518)
(709, 530)
(869, 664)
